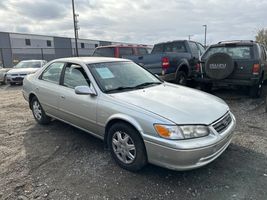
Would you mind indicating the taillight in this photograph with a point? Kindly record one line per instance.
(256, 69)
(197, 67)
(165, 63)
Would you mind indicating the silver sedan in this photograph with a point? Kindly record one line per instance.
(140, 118)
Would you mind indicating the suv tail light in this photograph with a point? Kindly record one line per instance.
(197, 67)
(256, 69)
(165, 63)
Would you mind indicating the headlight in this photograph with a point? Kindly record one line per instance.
(181, 132)
(195, 131)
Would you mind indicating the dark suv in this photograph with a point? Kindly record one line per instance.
(241, 63)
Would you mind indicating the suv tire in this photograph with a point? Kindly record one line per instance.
(255, 91)
(219, 66)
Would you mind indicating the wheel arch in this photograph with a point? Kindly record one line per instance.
(184, 66)
(31, 95)
(124, 119)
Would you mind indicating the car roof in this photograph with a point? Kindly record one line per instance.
(235, 42)
(31, 60)
(91, 60)
(124, 46)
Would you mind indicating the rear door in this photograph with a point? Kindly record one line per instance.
(79, 110)
(48, 87)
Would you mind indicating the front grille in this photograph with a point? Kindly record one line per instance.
(14, 74)
(222, 123)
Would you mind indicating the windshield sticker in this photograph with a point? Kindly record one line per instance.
(104, 73)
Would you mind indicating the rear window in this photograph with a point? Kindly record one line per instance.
(105, 52)
(125, 51)
(142, 51)
(178, 47)
(236, 52)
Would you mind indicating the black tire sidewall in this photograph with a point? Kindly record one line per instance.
(180, 74)
(44, 118)
(219, 59)
(141, 159)
(255, 91)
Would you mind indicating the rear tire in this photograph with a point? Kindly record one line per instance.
(127, 147)
(4, 81)
(38, 112)
(181, 78)
(255, 91)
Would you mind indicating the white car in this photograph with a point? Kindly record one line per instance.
(22, 69)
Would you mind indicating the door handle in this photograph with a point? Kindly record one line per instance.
(62, 97)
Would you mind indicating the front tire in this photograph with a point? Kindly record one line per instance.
(127, 147)
(38, 112)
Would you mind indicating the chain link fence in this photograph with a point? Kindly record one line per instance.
(11, 56)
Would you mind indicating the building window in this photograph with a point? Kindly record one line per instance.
(28, 42)
(96, 45)
(48, 43)
(82, 45)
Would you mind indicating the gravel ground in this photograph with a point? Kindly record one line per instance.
(61, 162)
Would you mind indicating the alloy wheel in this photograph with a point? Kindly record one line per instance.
(123, 147)
(37, 111)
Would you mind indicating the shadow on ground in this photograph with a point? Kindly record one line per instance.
(66, 163)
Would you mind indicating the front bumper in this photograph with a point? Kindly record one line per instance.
(15, 79)
(189, 154)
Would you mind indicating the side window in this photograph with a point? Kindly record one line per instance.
(75, 75)
(194, 49)
(263, 53)
(125, 51)
(52, 72)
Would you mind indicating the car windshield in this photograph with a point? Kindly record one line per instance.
(236, 52)
(122, 76)
(28, 64)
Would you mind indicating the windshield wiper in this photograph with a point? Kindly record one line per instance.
(119, 89)
(146, 84)
(133, 87)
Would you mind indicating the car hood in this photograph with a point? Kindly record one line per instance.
(4, 69)
(22, 70)
(181, 105)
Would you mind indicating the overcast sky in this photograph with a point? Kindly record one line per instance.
(137, 21)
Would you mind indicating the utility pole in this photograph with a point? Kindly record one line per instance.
(189, 37)
(205, 38)
(75, 24)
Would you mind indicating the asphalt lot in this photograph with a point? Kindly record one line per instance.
(61, 162)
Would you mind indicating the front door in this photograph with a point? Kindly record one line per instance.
(79, 110)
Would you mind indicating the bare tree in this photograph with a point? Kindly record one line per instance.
(261, 36)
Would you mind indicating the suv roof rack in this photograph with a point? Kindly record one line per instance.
(236, 41)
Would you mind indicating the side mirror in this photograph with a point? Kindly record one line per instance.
(84, 90)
